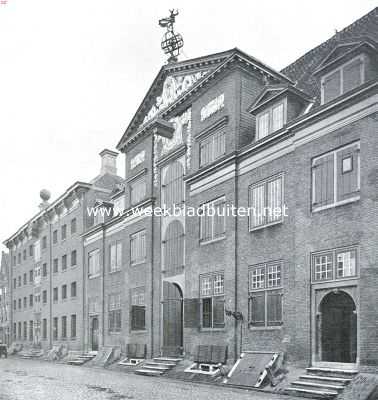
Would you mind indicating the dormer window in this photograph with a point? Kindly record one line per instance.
(271, 119)
(343, 79)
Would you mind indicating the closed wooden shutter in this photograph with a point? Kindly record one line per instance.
(191, 313)
(257, 203)
(218, 307)
(348, 180)
(332, 86)
(323, 181)
(274, 308)
(207, 313)
(274, 200)
(352, 75)
(257, 309)
(174, 247)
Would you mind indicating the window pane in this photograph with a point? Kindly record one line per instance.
(277, 116)
(323, 267)
(331, 86)
(274, 276)
(352, 75)
(346, 264)
(274, 206)
(206, 286)
(257, 278)
(274, 308)
(257, 204)
(218, 284)
(263, 125)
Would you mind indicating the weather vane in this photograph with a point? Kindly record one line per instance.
(171, 42)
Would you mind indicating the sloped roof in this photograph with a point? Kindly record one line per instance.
(302, 69)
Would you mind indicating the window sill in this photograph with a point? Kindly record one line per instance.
(114, 333)
(205, 242)
(138, 331)
(138, 263)
(115, 271)
(337, 204)
(213, 329)
(64, 270)
(265, 328)
(73, 266)
(73, 297)
(265, 226)
(94, 276)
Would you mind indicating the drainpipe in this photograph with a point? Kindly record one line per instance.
(50, 288)
(84, 288)
(103, 284)
(152, 254)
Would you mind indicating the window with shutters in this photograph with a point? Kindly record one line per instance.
(265, 295)
(212, 300)
(173, 246)
(213, 220)
(137, 190)
(336, 177)
(212, 147)
(266, 200)
(114, 313)
(115, 256)
(271, 119)
(335, 264)
(173, 188)
(138, 248)
(343, 79)
(94, 263)
(138, 309)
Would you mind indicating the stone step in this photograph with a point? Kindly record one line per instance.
(161, 364)
(311, 393)
(156, 367)
(149, 372)
(167, 359)
(318, 385)
(334, 379)
(331, 371)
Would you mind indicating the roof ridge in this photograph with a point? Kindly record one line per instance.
(336, 37)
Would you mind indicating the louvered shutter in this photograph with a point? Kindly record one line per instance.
(352, 75)
(348, 180)
(257, 309)
(274, 308)
(323, 181)
(191, 313)
(218, 312)
(332, 86)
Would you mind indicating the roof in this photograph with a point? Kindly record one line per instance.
(303, 68)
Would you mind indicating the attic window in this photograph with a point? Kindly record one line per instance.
(271, 120)
(343, 79)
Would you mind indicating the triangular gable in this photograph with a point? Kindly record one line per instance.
(266, 94)
(344, 48)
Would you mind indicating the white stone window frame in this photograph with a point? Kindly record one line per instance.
(341, 68)
(336, 203)
(269, 111)
(334, 267)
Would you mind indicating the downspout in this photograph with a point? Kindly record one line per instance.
(152, 252)
(103, 284)
(50, 289)
(84, 289)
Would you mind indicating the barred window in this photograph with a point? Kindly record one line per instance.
(138, 309)
(213, 220)
(114, 312)
(174, 247)
(138, 247)
(173, 188)
(212, 300)
(94, 263)
(266, 202)
(212, 147)
(265, 295)
(115, 262)
(138, 190)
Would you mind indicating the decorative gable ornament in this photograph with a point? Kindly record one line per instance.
(173, 87)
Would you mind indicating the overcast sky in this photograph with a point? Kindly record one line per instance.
(73, 72)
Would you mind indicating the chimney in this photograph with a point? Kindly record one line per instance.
(108, 162)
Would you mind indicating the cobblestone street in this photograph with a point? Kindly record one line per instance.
(29, 379)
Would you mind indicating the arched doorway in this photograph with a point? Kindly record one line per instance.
(172, 319)
(94, 334)
(337, 328)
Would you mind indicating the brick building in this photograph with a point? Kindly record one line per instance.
(4, 299)
(223, 131)
(46, 273)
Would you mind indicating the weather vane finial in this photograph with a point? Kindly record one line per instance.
(171, 42)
